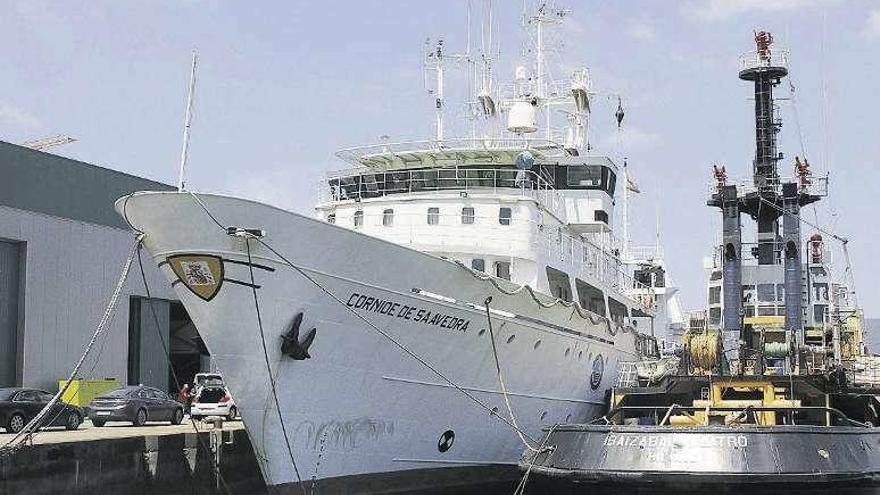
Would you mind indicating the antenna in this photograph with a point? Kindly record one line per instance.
(184, 154)
(434, 61)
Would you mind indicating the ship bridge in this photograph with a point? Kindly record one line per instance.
(577, 190)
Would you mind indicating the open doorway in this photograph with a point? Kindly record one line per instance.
(147, 361)
(188, 352)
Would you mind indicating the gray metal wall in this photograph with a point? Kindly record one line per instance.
(58, 186)
(10, 261)
(153, 366)
(72, 245)
(71, 268)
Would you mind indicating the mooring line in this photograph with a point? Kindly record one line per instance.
(247, 240)
(33, 426)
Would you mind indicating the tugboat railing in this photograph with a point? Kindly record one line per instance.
(668, 410)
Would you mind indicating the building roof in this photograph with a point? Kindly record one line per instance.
(50, 184)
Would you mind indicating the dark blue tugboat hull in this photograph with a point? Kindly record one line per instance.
(710, 455)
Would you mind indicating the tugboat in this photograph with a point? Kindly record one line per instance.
(772, 386)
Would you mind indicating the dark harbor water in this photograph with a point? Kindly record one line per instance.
(541, 487)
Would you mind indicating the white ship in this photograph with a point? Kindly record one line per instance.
(358, 344)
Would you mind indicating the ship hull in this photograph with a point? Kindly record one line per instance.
(708, 458)
(361, 405)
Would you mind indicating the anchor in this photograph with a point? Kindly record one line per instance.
(290, 344)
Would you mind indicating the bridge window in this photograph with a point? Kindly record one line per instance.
(588, 177)
(388, 217)
(467, 215)
(433, 216)
(502, 269)
(504, 215)
(595, 177)
(358, 219)
(478, 264)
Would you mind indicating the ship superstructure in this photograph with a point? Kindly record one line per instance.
(780, 288)
(524, 198)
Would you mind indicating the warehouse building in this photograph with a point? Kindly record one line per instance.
(62, 249)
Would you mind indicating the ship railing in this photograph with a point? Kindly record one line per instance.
(665, 412)
(368, 184)
(754, 59)
(580, 257)
(644, 253)
(748, 258)
(627, 374)
(599, 263)
(864, 371)
(812, 185)
(386, 155)
(552, 89)
(697, 320)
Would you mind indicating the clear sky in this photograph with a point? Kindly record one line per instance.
(282, 85)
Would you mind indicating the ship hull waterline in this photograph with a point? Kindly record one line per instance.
(360, 405)
(710, 456)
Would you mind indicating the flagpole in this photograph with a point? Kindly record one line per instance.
(625, 211)
(184, 153)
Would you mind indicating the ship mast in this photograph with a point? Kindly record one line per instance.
(766, 200)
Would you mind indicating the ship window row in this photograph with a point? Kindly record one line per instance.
(580, 177)
(751, 311)
(589, 297)
(468, 217)
(768, 293)
(501, 269)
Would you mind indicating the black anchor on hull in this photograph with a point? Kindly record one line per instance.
(290, 344)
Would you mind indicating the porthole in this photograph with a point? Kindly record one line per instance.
(494, 411)
(446, 440)
(481, 332)
(537, 344)
(543, 415)
(510, 339)
(567, 351)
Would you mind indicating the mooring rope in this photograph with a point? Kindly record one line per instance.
(521, 487)
(247, 240)
(501, 378)
(34, 424)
